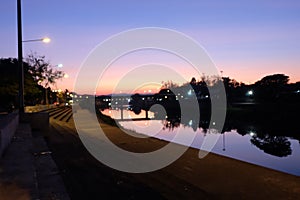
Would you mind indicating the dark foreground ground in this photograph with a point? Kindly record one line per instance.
(214, 177)
(87, 178)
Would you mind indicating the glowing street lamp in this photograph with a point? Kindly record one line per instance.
(66, 75)
(59, 65)
(46, 40)
(250, 93)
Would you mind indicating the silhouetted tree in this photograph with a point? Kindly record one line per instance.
(273, 80)
(169, 85)
(269, 88)
(193, 81)
(136, 103)
(43, 72)
(9, 83)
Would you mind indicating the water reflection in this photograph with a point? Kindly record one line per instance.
(254, 142)
(265, 139)
(274, 145)
(171, 124)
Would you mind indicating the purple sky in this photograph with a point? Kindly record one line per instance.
(246, 39)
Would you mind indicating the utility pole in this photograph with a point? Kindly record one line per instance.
(20, 58)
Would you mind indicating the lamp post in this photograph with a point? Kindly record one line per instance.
(20, 55)
(20, 58)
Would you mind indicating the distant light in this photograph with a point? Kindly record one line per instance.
(189, 92)
(252, 134)
(46, 40)
(250, 93)
(191, 122)
(66, 75)
(60, 65)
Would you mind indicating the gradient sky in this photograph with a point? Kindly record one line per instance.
(246, 39)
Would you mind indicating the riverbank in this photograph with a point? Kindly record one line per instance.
(213, 177)
(216, 176)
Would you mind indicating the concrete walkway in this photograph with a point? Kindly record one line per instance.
(27, 170)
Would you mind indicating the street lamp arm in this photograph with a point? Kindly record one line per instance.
(46, 40)
(35, 40)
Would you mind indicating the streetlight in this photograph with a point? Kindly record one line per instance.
(59, 65)
(250, 93)
(45, 40)
(20, 56)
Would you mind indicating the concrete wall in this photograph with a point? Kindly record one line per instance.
(9, 123)
(8, 127)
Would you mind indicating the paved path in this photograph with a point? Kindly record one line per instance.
(27, 170)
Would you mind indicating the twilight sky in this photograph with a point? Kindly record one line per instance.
(246, 39)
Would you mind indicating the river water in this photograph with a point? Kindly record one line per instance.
(249, 146)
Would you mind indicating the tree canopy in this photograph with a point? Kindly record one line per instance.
(272, 80)
(42, 71)
(38, 75)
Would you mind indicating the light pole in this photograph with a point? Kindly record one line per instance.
(20, 59)
(20, 55)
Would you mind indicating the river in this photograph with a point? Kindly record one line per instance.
(245, 142)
